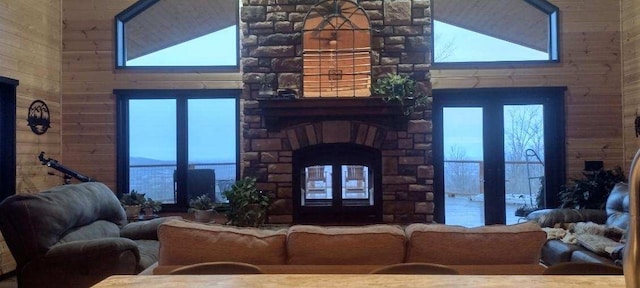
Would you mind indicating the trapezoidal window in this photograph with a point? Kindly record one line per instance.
(470, 31)
(178, 33)
(336, 53)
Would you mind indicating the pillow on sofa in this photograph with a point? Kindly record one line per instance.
(486, 245)
(362, 245)
(183, 242)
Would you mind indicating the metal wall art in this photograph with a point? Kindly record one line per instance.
(38, 119)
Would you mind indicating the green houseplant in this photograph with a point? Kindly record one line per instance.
(247, 205)
(401, 89)
(202, 208)
(132, 203)
(592, 191)
(151, 206)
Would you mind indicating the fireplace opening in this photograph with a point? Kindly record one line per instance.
(337, 184)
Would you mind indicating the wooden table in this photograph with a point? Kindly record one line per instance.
(357, 281)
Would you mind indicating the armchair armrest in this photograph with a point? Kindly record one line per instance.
(81, 263)
(551, 217)
(144, 230)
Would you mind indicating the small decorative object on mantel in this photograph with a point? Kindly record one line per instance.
(38, 117)
(401, 89)
(286, 94)
(267, 90)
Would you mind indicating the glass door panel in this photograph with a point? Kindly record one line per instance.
(357, 185)
(152, 148)
(463, 166)
(212, 157)
(317, 190)
(524, 165)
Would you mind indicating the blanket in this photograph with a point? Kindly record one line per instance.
(600, 239)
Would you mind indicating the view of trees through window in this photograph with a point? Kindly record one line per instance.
(523, 152)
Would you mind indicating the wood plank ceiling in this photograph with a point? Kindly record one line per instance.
(512, 20)
(171, 22)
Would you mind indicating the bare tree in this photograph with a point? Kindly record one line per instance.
(523, 132)
(461, 174)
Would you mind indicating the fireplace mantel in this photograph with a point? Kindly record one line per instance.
(284, 113)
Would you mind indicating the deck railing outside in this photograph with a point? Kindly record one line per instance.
(157, 181)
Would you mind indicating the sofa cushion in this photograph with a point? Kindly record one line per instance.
(363, 245)
(95, 230)
(556, 251)
(486, 245)
(183, 242)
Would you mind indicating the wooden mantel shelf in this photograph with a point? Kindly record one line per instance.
(279, 114)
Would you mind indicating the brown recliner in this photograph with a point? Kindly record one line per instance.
(616, 214)
(75, 236)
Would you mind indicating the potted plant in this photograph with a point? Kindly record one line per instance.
(592, 191)
(151, 206)
(132, 203)
(202, 207)
(247, 205)
(401, 89)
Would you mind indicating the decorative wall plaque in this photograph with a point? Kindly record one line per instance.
(38, 119)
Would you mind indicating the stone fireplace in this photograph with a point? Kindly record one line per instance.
(284, 140)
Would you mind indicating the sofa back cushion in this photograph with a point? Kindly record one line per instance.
(364, 245)
(486, 245)
(31, 223)
(183, 243)
(617, 206)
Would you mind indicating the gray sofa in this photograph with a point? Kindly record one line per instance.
(615, 216)
(75, 236)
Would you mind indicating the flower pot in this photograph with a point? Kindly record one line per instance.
(148, 211)
(132, 211)
(203, 216)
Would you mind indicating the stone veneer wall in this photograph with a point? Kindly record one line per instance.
(272, 47)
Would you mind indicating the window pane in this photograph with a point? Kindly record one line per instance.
(178, 33)
(212, 146)
(524, 155)
(463, 166)
(214, 49)
(317, 190)
(152, 148)
(357, 185)
(494, 30)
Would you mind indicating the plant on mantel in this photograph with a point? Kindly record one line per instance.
(401, 89)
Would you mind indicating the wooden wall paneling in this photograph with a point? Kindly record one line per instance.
(589, 67)
(30, 51)
(631, 80)
(88, 81)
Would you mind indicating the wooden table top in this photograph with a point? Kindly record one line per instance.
(364, 280)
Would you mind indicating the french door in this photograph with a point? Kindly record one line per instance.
(498, 153)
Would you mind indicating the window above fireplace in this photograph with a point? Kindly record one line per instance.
(336, 50)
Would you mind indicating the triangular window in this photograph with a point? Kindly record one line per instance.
(178, 33)
(467, 31)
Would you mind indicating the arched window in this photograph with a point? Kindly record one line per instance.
(494, 31)
(336, 55)
(178, 33)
